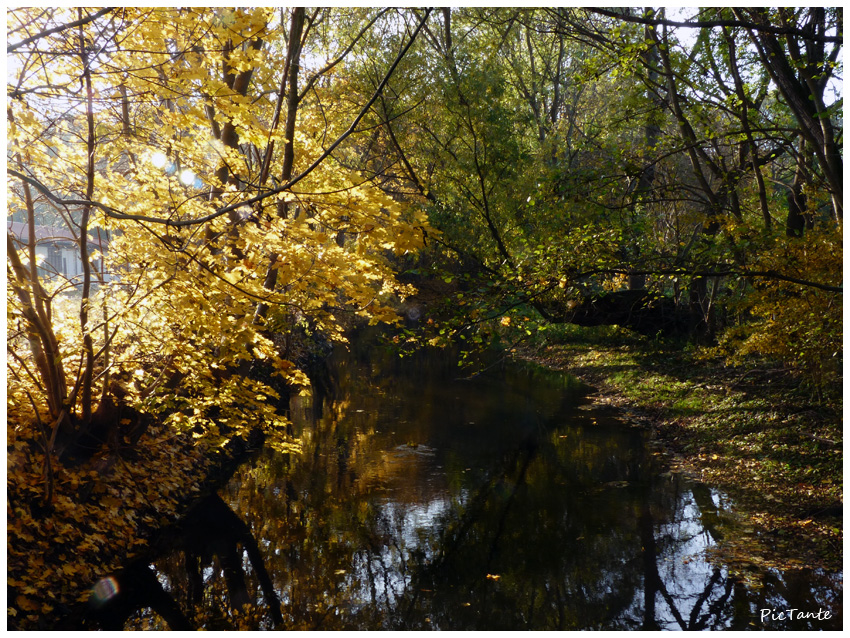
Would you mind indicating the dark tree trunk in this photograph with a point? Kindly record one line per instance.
(799, 219)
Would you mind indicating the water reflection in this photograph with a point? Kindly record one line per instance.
(423, 501)
(213, 545)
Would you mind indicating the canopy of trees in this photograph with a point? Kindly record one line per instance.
(240, 186)
(259, 176)
(198, 143)
(672, 174)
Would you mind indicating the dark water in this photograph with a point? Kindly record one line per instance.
(424, 501)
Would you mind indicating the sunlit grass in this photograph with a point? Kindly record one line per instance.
(760, 438)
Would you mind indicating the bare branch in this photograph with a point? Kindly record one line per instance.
(709, 24)
(59, 29)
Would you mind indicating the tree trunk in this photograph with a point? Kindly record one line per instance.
(651, 134)
(799, 219)
(293, 61)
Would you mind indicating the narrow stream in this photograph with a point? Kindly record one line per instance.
(426, 501)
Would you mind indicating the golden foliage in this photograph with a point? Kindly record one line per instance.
(175, 318)
(175, 315)
(102, 513)
(796, 324)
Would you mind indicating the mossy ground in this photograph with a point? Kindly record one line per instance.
(755, 432)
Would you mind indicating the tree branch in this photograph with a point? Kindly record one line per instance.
(59, 29)
(761, 274)
(709, 24)
(116, 214)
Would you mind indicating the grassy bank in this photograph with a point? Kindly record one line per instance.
(754, 432)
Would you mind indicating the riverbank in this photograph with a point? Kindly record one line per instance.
(90, 521)
(754, 433)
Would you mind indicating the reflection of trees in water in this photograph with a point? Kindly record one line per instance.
(311, 523)
(683, 591)
(601, 569)
(675, 597)
(138, 590)
(403, 513)
(230, 535)
(533, 548)
(213, 544)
